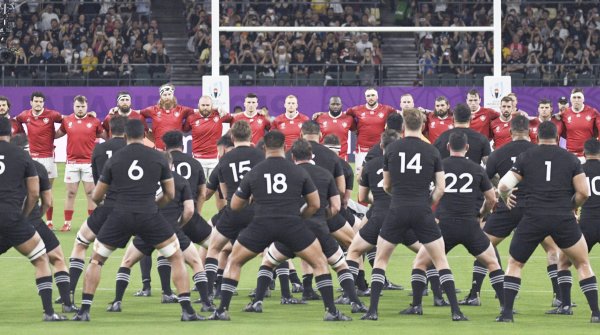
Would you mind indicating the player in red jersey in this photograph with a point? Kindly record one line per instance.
(258, 122)
(439, 121)
(544, 114)
(16, 127)
(206, 127)
(166, 115)
(481, 117)
(501, 126)
(338, 124)
(81, 130)
(515, 103)
(40, 133)
(123, 108)
(370, 123)
(581, 122)
(290, 122)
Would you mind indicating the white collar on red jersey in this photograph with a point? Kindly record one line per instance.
(291, 118)
(374, 107)
(250, 116)
(477, 111)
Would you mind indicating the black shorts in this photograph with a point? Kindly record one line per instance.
(147, 249)
(328, 244)
(121, 225)
(370, 231)
(590, 227)
(14, 229)
(215, 218)
(369, 212)
(197, 229)
(46, 234)
(231, 223)
(262, 231)
(465, 231)
(534, 228)
(502, 222)
(98, 217)
(4, 245)
(336, 223)
(419, 219)
(349, 215)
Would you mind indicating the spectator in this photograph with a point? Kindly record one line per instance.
(267, 65)
(89, 63)
(586, 66)
(282, 59)
(515, 63)
(532, 68)
(138, 54)
(47, 16)
(160, 62)
(299, 65)
(445, 63)
(536, 45)
(481, 60)
(21, 64)
(350, 59)
(363, 44)
(317, 61)
(55, 64)
(569, 68)
(427, 63)
(109, 66)
(465, 66)
(246, 59)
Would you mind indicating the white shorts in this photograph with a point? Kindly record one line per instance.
(208, 165)
(50, 166)
(359, 159)
(74, 173)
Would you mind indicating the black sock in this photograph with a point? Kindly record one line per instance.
(211, 266)
(433, 277)
(479, 273)
(447, 282)
(44, 286)
(219, 280)
(553, 275)
(145, 267)
(283, 272)
(200, 282)
(184, 302)
(589, 287)
(75, 270)
(164, 272)
(122, 283)
(418, 282)
(294, 277)
(353, 267)
(307, 283)
(512, 285)
(377, 281)
(228, 286)
(565, 281)
(347, 283)
(371, 257)
(325, 286)
(265, 275)
(86, 302)
(497, 280)
(61, 279)
(361, 282)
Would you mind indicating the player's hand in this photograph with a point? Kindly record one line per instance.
(437, 221)
(113, 110)
(511, 200)
(316, 115)
(92, 114)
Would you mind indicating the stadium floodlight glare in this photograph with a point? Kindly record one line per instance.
(496, 29)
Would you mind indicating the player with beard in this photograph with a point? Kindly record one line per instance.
(206, 127)
(501, 126)
(88, 230)
(258, 122)
(336, 123)
(123, 108)
(290, 122)
(81, 130)
(16, 127)
(481, 117)
(40, 133)
(544, 114)
(439, 121)
(581, 122)
(166, 115)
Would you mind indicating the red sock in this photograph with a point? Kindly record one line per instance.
(68, 215)
(49, 214)
(90, 211)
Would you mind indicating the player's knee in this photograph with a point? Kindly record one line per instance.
(38, 251)
(102, 250)
(271, 256)
(82, 240)
(337, 260)
(170, 249)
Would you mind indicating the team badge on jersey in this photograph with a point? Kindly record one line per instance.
(482, 118)
(197, 123)
(46, 120)
(432, 125)
(534, 130)
(325, 124)
(283, 126)
(89, 125)
(344, 124)
(569, 119)
(69, 125)
(259, 121)
(176, 114)
(158, 114)
(216, 119)
(589, 118)
(381, 115)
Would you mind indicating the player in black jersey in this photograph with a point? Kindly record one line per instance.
(479, 146)
(556, 187)
(19, 190)
(279, 253)
(333, 143)
(588, 222)
(178, 213)
(276, 185)
(231, 170)
(132, 173)
(503, 221)
(90, 228)
(409, 167)
(459, 215)
(53, 248)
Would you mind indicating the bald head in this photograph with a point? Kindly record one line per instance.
(205, 105)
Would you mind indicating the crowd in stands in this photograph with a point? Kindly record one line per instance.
(543, 42)
(83, 43)
(290, 55)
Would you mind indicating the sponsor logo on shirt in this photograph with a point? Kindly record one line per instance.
(345, 124)
(216, 119)
(589, 118)
(70, 125)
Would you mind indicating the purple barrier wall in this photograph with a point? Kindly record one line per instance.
(310, 99)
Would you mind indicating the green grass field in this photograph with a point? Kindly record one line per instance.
(20, 308)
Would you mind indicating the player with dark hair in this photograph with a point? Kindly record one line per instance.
(544, 114)
(17, 128)
(481, 117)
(556, 186)
(580, 121)
(334, 122)
(439, 121)
(123, 109)
(501, 126)
(259, 123)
